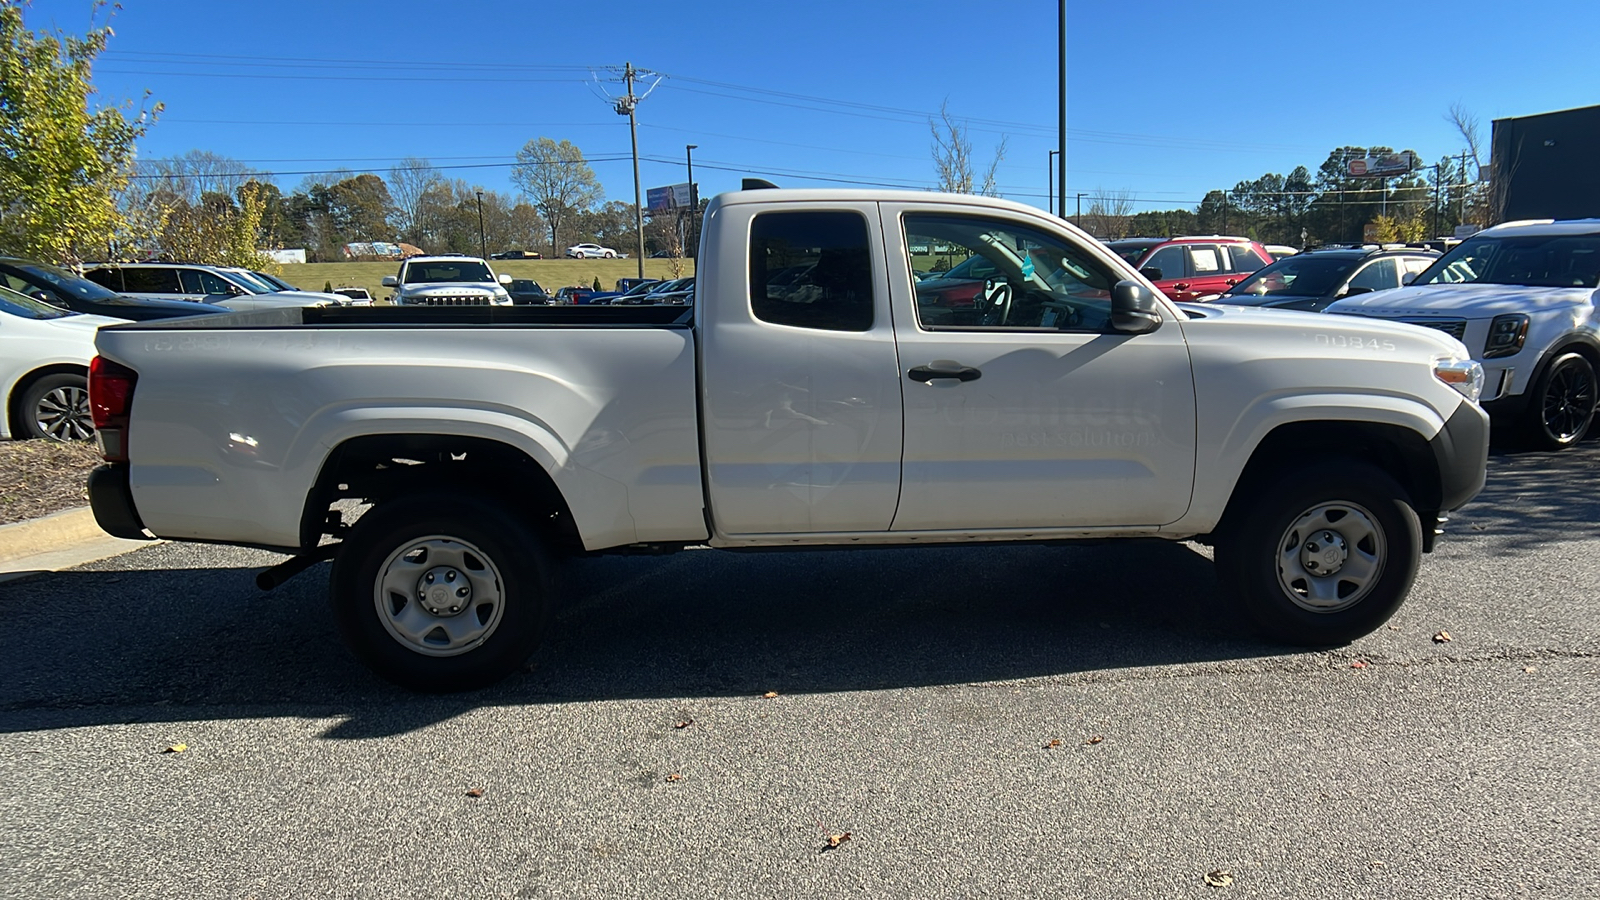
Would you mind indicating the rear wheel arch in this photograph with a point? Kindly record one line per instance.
(15, 416)
(383, 467)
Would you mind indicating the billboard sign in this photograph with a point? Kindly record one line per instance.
(673, 196)
(1386, 166)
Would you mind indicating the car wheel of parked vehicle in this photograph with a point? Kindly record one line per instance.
(56, 407)
(609, 255)
(1563, 403)
(1322, 553)
(441, 592)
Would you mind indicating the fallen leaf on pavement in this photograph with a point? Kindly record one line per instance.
(1094, 740)
(685, 723)
(176, 748)
(1442, 637)
(1358, 664)
(1054, 742)
(1530, 668)
(475, 792)
(1219, 878)
(674, 777)
(769, 695)
(834, 840)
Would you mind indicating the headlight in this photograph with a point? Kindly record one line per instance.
(1506, 335)
(1465, 375)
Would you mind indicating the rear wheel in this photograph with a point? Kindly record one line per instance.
(441, 592)
(1562, 406)
(56, 407)
(1321, 554)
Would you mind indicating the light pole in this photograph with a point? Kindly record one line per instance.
(1079, 220)
(1061, 172)
(1050, 181)
(483, 246)
(694, 196)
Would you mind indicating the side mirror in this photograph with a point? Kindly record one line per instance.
(1134, 308)
(390, 281)
(1352, 291)
(1151, 272)
(1408, 277)
(504, 278)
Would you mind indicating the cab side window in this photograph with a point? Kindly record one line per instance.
(1036, 280)
(1206, 259)
(106, 278)
(811, 270)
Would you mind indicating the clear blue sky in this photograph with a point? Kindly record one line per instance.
(1166, 98)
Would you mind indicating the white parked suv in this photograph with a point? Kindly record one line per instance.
(448, 281)
(236, 289)
(590, 251)
(1522, 297)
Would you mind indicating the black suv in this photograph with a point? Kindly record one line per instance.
(1311, 280)
(64, 290)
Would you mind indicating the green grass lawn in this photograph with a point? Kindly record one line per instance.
(550, 273)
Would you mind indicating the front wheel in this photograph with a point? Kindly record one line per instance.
(609, 255)
(441, 592)
(1321, 554)
(1563, 403)
(56, 407)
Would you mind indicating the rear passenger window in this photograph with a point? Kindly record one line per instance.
(1245, 258)
(811, 270)
(151, 281)
(1206, 259)
(106, 278)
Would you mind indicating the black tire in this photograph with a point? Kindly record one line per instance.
(1263, 552)
(1561, 406)
(56, 408)
(500, 560)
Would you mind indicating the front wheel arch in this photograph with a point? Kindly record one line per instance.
(15, 416)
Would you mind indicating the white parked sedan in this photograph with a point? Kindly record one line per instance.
(44, 369)
(590, 251)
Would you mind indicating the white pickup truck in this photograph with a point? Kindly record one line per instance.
(816, 394)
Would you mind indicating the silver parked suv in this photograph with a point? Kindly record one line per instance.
(448, 281)
(234, 289)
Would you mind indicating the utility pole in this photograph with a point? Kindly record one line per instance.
(625, 107)
(1061, 136)
(1462, 216)
(1079, 220)
(1437, 179)
(483, 246)
(694, 200)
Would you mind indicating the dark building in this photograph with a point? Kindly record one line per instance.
(1548, 166)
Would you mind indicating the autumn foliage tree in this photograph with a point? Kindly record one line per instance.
(62, 164)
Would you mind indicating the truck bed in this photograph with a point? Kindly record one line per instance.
(432, 317)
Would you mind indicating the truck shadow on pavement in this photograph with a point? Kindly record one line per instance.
(116, 643)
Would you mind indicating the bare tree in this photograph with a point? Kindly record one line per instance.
(1482, 204)
(1108, 213)
(952, 157)
(557, 181)
(409, 181)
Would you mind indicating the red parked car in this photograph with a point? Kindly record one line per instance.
(1187, 268)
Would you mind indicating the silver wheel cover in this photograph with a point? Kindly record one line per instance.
(1331, 557)
(63, 414)
(439, 596)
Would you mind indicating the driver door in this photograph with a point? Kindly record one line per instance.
(1024, 410)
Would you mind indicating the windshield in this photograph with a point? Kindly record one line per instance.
(252, 281)
(1131, 253)
(446, 272)
(27, 307)
(1549, 261)
(1298, 276)
(644, 288)
(275, 281)
(61, 280)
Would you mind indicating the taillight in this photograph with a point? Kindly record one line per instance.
(110, 397)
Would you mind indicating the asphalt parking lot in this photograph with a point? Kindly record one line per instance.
(1008, 721)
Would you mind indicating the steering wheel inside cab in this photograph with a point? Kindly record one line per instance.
(996, 301)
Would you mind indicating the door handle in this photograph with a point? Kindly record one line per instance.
(1182, 286)
(1232, 282)
(925, 374)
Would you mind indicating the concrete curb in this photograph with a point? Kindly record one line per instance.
(57, 541)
